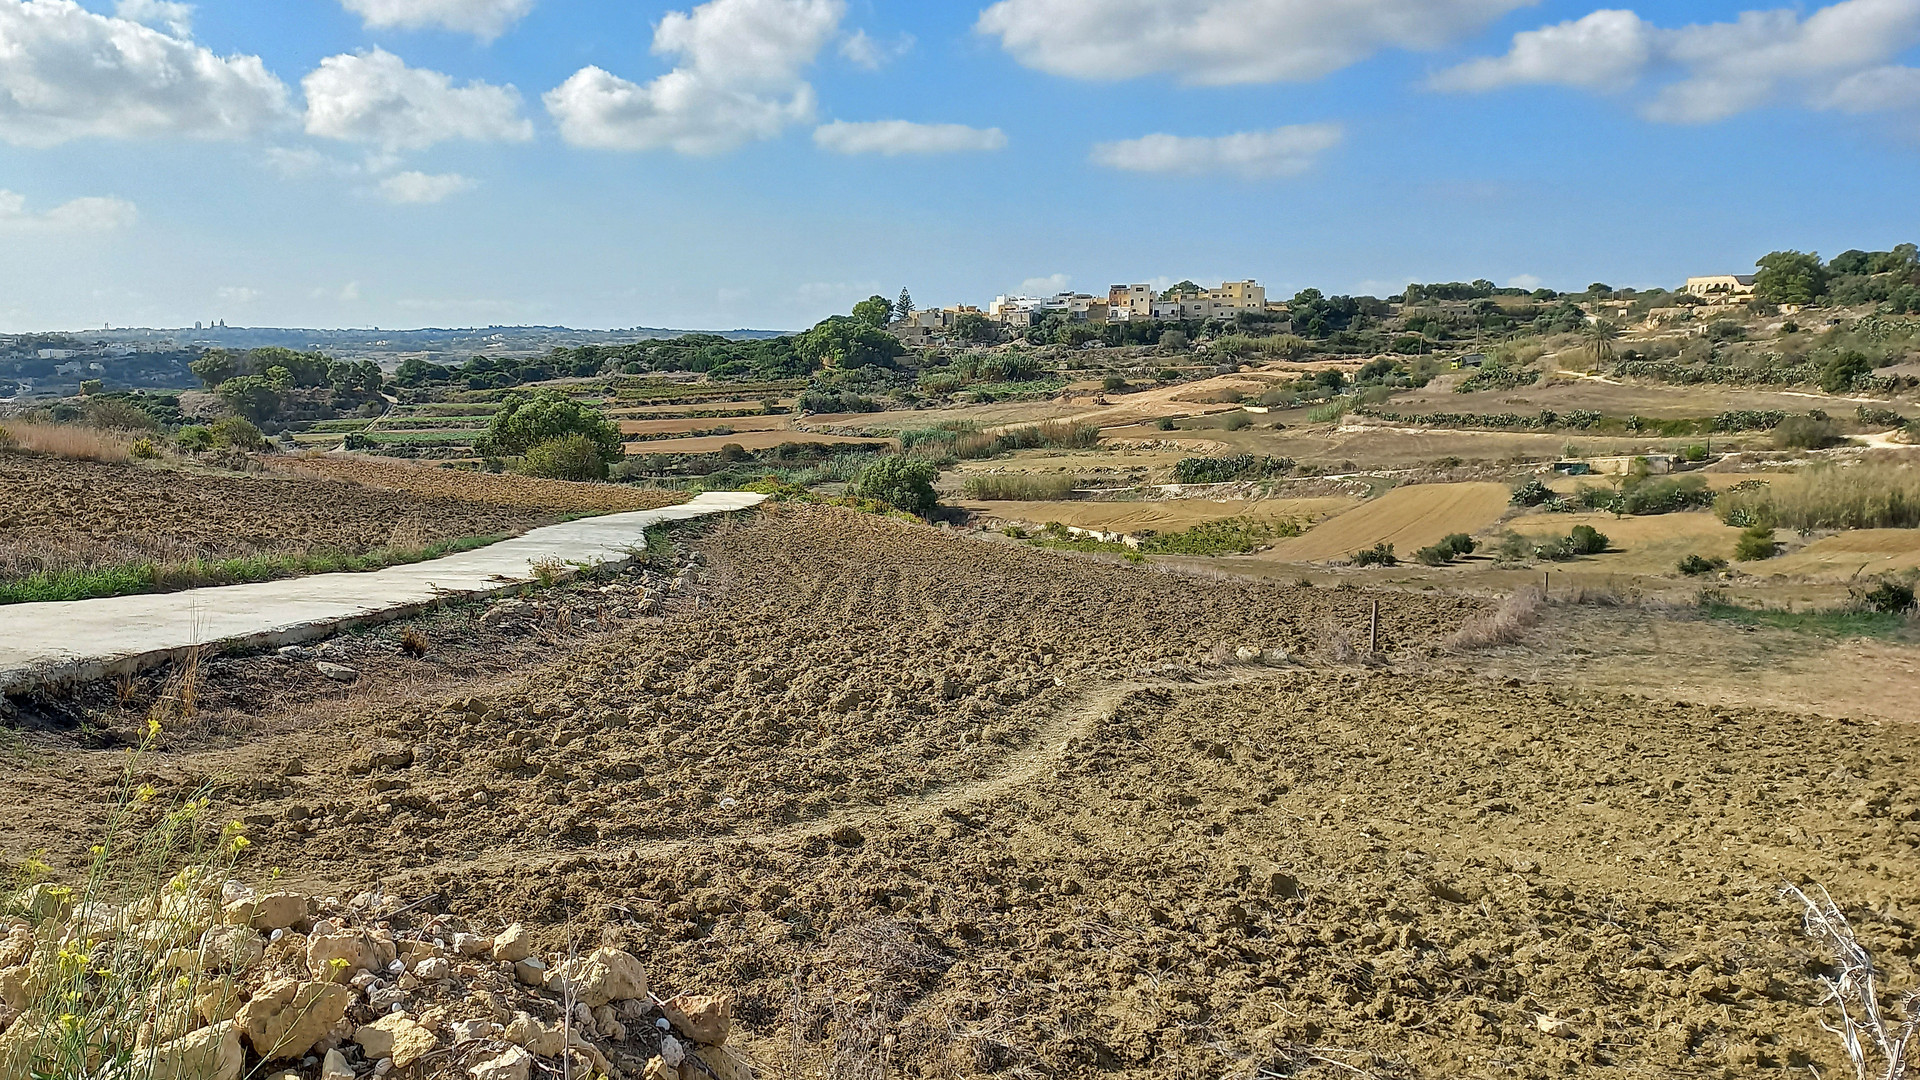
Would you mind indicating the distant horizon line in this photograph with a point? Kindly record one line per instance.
(111, 329)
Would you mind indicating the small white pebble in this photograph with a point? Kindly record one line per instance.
(662, 1024)
(729, 803)
(276, 935)
(383, 1067)
(397, 966)
(397, 1007)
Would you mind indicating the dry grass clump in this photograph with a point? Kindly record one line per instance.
(1504, 625)
(67, 441)
(1016, 487)
(1878, 1046)
(1871, 495)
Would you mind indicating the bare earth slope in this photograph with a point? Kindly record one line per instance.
(970, 809)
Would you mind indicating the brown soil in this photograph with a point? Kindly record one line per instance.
(498, 489)
(970, 809)
(57, 513)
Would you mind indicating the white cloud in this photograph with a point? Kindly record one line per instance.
(484, 19)
(236, 294)
(860, 49)
(80, 215)
(736, 79)
(1605, 50)
(418, 188)
(1219, 42)
(1283, 151)
(1876, 90)
(67, 73)
(895, 137)
(176, 18)
(375, 97)
(1834, 58)
(1045, 286)
(1523, 281)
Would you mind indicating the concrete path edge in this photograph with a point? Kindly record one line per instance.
(56, 644)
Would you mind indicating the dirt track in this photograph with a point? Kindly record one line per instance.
(975, 809)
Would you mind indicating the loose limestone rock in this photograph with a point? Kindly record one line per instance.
(274, 911)
(705, 1020)
(338, 957)
(287, 1017)
(334, 1067)
(720, 1063)
(231, 948)
(513, 944)
(212, 1053)
(536, 1037)
(514, 1064)
(396, 1036)
(605, 975)
(337, 672)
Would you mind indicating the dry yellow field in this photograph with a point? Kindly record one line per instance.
(750, 440)
(1653, 544)
(1167, 515)
(1408, 518)
(1651, 400)
(1867, 551)
(642, 411)
(737, 423)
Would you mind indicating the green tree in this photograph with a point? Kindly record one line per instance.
(1790, 277)
(214, 367)
(848, 343)
(1756, 542)
(1185, 288)
(255, 397)
(973, 326)
(1600, 335)
(1839, 373)
(525, 422)
(875, 311)
(569, 457)
(903, 483)
(903, 307)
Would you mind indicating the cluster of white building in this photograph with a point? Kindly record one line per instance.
(1123, 303)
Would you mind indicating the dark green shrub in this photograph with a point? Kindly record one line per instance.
(1666, 496)
(237, 432)
(1114, 382)
(1532, 493)
(1696, 565)
(1587, 540)
(1805, 433)
(194, 438)
(569, 457)
(1696, 453)
(525, 422)
(1756, 542)
(1237, 421)
(1884, 595)
(1167, 375)
(1165, 423)
(1380, 554)
(903, 483)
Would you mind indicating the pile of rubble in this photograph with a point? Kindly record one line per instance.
(212, 980)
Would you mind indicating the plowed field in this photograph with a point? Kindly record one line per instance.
(943, 808)
(58, 514)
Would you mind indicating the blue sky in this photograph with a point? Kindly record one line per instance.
(609, 163)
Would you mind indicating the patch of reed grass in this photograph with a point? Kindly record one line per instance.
(1017, 487)
(1871, 495)
(67, 440)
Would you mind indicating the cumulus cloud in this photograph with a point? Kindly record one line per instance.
(375, 97)
(81, 215)
(176, 18)
(737, 78)
(1283, 151)
(484, 19)
(1523, 281)
(860, 49)
(1607, 49)
(236, 294)
(67, 73)
(1045, 286)
(418, 188)
(1836, 57)
(895, 137)
(1219, 42)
